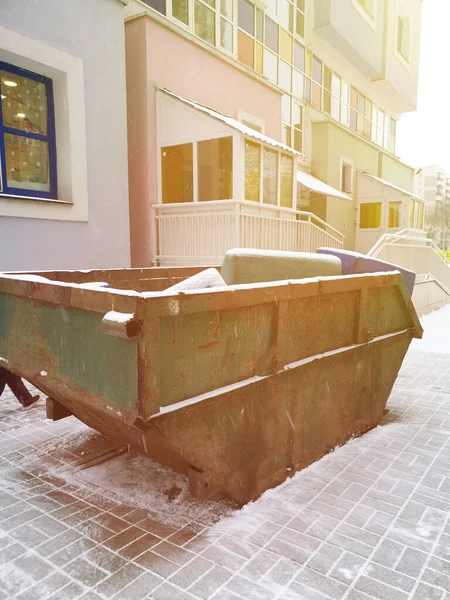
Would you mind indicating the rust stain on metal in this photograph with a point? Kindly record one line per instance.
(208, 345)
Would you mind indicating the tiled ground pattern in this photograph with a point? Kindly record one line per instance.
(371, 520)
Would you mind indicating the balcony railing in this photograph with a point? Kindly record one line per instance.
(200, 233)
(411, 250)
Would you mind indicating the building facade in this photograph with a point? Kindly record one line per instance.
(432, 183)
(63, 132)
(327, 79)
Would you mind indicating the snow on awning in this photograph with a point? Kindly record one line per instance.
(315, 185)
(234, 124)
(390, 185)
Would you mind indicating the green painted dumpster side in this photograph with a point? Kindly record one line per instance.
(201, 350)
(7, 311)
(66, 343)
(207, 350)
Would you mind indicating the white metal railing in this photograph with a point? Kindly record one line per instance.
(414, 252)
(412, 232)
(199, 233)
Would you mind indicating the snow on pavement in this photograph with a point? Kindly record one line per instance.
(436, 334)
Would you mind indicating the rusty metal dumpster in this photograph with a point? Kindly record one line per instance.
(236, 387)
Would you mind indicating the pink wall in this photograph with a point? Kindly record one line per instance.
(157, 56)
(140, 176)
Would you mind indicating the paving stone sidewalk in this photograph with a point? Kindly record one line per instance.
(370, 520)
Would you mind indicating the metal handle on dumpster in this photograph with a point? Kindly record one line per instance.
(122, 325)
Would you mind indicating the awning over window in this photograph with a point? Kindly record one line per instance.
(390, 185)
(234, 124)
(319, 187)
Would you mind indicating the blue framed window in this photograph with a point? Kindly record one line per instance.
(27, 134)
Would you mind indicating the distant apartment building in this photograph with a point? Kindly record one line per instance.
(432, 183)
(244, 118)
(63, 135)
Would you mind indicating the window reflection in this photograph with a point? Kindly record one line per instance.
(270, 176)
(177, 173)
(215, 169)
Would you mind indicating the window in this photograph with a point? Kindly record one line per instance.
(346, 176)
(403, 37)
(370, 215)
(252, 126)
(226, 9)
(277, 170)
(284, 76)
(251, 121)
(368, 119)
(226, 25)
(215, 169)
(27, 134)
(291, 123)
(412, 211)
(307, 89)
(250, 35)
(421, 215)
(353, 108)
(317, 70)
(416, 214)
(297, 123)
(316, 95)
(286, 180)
(226, 35)
(368, 6)
(159, 5)
(286, 120)
(285, 14)
(271, 37)
(259, 25)
(286, 46)
(246, 49)
(270, 66)
(300, 18)
(180, 10)
(246, 17)
(335, 96)
(298, 84)
(394, 214)
(378, 125)
(252, 171)
(205, 26)
(270, 176)
(259, 58)
(299, 56)
(177, 173)
(327, 90)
